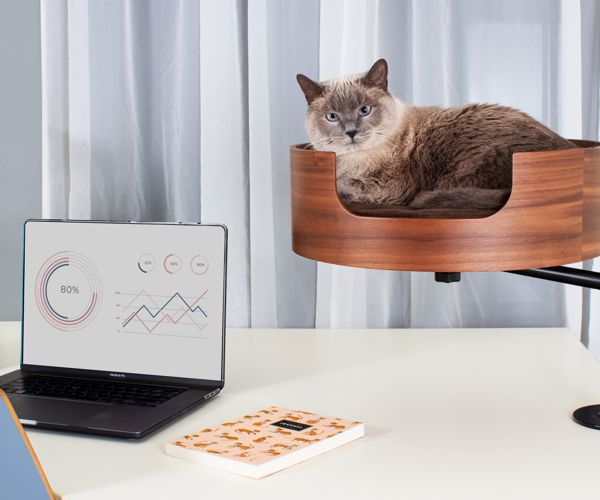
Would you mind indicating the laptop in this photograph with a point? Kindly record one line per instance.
(123, 325)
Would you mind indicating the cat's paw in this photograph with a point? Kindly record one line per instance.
(349, 189)
(421, 200)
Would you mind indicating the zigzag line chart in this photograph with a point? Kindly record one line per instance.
(173, 315)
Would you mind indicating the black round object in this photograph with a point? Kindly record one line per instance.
(588, 416)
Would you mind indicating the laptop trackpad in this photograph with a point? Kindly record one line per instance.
(53, 410)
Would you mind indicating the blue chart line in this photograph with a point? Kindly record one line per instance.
(176, 294)
(180, 309)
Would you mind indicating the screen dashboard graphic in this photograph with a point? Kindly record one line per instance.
(137, 298)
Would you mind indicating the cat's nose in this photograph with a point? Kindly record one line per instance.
(351, 132)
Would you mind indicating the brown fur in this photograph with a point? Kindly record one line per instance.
(425, 157)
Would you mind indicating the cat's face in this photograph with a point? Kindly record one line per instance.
(351, 113)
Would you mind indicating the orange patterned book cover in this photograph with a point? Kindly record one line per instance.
(265, 442)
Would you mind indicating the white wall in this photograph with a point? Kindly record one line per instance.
(20, 140)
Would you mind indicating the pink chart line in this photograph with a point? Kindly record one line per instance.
(144, 292)
(172, 321)
(190, 308)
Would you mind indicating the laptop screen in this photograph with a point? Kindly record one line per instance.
(125, 297)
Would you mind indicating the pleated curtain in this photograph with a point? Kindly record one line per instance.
(181, 110)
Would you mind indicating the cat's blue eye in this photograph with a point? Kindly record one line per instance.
(332, 117)
(364, 110)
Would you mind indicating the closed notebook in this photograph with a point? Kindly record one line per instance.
(265, 442)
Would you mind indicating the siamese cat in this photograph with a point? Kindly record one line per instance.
(391, 153)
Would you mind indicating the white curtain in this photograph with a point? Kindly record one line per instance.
(184, 110)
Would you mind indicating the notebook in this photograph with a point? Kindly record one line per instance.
(265, 442)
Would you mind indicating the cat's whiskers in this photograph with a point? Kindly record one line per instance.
(382, 138)
(323, 142)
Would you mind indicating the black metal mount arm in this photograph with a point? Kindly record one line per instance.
(560, 274)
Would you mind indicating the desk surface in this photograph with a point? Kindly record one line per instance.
(450, 414)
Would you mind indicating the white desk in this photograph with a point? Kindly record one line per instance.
(450, 414)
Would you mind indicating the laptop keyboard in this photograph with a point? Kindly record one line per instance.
(92, 390)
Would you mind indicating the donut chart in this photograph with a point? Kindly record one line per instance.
(68, 291)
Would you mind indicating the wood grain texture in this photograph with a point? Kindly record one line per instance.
(591, 203)
(551, 218)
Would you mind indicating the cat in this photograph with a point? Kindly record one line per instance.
(391, 153)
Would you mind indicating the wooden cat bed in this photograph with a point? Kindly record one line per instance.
(551, 218)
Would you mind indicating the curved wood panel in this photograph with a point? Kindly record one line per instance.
(551, 218)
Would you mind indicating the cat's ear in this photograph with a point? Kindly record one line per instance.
(311, 89)
(377, 75)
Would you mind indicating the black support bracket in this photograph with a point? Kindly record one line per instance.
(560, 274)
(447, 277)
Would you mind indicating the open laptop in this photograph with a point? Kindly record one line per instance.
(123, 324)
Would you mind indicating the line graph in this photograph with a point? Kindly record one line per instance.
(154, 314)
